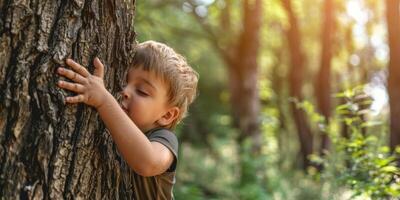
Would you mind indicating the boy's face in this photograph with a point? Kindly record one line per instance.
(145, 100)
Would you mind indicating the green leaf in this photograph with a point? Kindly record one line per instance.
(391, 169)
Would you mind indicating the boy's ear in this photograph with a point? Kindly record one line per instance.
(169, 116)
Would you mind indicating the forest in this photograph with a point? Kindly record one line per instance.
(297, 99)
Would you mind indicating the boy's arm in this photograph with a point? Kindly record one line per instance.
(144, 157)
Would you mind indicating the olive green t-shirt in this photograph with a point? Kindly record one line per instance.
(160, 186)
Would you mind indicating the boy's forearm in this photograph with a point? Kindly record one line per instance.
(131, 142)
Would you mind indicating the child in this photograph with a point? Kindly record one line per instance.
(160, 87)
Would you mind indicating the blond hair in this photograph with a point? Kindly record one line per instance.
(173, 69)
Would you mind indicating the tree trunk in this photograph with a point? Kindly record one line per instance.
(243, 71)
(323, 79)
(50, 150)
(393, 24)
(243, 87)
(240, 56)
(296, 74)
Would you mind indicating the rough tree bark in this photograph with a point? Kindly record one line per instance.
(393, 24)
(50, 150)
(296, 74)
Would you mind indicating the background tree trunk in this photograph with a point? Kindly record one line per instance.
(240, 54)
(243, 71)
(243, 88)
(50, 150)
(296, 82)
(323, 79)
(393, 24)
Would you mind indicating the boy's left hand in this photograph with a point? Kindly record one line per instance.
(90, 88)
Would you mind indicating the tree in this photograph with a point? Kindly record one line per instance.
(393, 25)
(296, 74)
(243, 70)
(240, 55)
(50, 150)
(239, 51)
(323, 79)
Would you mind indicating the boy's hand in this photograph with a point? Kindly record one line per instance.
(90, 88)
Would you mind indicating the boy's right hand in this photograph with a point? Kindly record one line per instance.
(90, 88)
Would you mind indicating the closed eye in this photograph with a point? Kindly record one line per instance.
(142, 93)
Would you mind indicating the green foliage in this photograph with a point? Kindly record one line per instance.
(251, 166)
(359, 161)
(252, 191)
(209, 160)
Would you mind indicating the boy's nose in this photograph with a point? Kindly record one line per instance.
(124, 94)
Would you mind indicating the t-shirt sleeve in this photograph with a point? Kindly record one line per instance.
(168, 139)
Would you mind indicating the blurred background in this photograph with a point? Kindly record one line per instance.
(295, 96)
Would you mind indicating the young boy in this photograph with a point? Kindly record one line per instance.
(160, 87)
